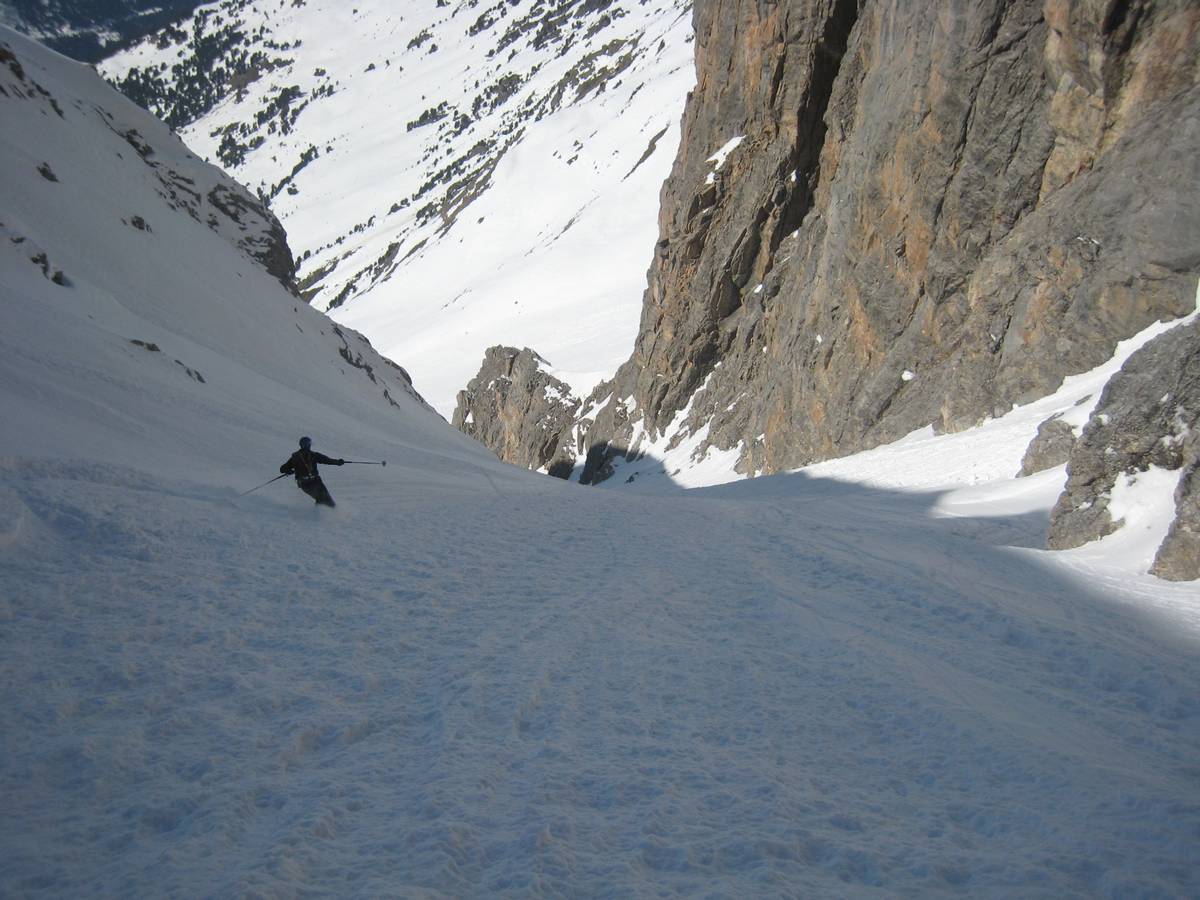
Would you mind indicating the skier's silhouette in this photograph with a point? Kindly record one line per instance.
(303, 464)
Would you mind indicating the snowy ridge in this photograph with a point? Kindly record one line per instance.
(452, 176)
(132, 265)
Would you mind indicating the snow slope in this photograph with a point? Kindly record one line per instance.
(471, 681)
(452, 175)
(798, 688)
(189, 349)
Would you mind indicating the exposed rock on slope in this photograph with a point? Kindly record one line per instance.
(519, 410)
(1148, 416)
(182, 181)
(263, 238)
(935, 210)
(1051, 446)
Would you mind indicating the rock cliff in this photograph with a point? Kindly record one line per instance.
(520, 410)
(889, 215)
(885, 216)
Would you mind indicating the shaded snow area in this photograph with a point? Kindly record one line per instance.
(455, 175)
(509, 686)
(468, 680)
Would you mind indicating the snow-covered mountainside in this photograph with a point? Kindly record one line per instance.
(89, 30)
(451, 175)
(136, 268)
(468, 680)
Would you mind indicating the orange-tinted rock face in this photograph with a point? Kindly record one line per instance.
(984, 196)
(523, 413)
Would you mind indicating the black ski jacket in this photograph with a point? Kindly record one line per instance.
(303, 464)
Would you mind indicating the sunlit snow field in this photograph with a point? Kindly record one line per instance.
(552, 255)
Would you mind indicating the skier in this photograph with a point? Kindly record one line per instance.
(303, 464)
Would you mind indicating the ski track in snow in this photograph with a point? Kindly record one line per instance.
(513, 687)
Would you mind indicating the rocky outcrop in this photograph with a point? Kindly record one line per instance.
(226, 207)
(936, 210)
(1148, 416)
(523, 413)
(1050, 447)
(261, 235)
(1178, 559)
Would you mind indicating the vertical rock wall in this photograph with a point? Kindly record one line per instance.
(937, 209)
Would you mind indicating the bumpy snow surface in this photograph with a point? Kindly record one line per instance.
(471, 681)
(503, 685)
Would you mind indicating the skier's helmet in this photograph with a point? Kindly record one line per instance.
(305, 443)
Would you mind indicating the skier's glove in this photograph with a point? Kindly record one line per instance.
(341, 462)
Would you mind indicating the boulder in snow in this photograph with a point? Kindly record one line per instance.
(1050, 447)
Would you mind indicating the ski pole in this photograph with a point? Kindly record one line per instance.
(359, 462)
(264, 484)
